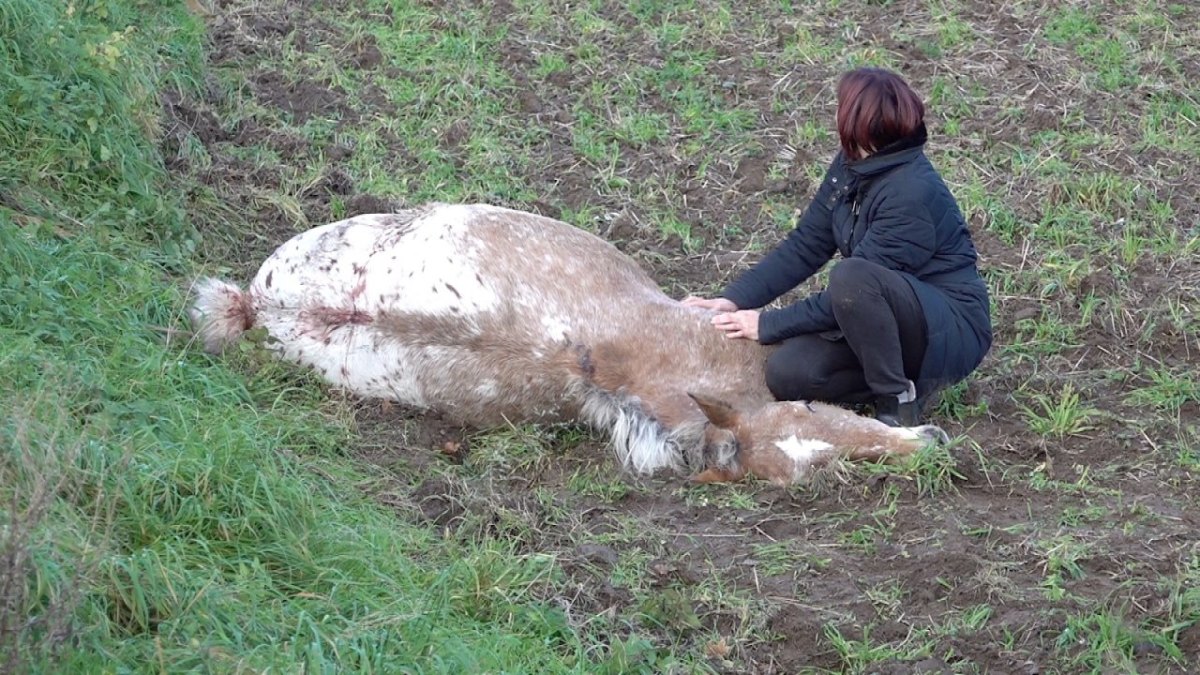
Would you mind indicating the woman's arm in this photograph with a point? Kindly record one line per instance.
(812, 314)
(901, 236)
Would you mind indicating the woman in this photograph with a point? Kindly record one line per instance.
(905, 312)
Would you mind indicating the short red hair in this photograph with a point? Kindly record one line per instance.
(875, 107)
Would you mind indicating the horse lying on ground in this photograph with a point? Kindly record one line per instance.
(493, 316)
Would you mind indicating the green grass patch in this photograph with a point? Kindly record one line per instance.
(78, 114)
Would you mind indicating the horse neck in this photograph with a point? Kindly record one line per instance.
(670, 351)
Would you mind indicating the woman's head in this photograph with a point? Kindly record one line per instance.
(875, 107)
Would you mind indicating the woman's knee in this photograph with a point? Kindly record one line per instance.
(788, 380)
(851, 271)
(779, 380)
(849, 278)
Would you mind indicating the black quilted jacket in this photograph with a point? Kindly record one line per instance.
(893, 209)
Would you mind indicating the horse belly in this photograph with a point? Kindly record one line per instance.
(475, 387)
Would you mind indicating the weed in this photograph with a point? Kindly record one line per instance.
(519, 449)
(783, 558)
(42, 583)
(857, 655)
(735, 496)
(971, 620)
(1071, 24)
(85, 94)
(887, 598)
(1108, 640)
(1059, 415)
(1062, 555)
(1187, 449)
(601, 484)
(934, 469)
(952, 404)
(866, 538)
(1167, 391)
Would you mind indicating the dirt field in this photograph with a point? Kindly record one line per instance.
(1063, 535)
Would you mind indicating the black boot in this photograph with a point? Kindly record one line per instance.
(890, 411)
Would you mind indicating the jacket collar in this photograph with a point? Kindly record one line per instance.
(891, 155)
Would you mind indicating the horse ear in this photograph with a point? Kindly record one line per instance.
(717, 411)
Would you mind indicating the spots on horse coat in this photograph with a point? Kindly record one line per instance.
(556, 327)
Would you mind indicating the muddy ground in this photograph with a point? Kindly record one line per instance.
(1104, 514)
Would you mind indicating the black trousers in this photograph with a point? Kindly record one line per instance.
(876, 351)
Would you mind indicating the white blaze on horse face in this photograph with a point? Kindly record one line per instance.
(802, 452)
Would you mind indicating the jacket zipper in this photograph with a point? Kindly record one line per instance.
(855, 209)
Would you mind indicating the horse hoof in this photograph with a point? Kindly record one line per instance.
(932, 434)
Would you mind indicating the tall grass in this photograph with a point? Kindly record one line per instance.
(159, 511)
(79, 84)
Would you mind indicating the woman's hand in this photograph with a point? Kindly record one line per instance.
(741, 324)
(714, 304)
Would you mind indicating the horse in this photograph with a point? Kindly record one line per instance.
(493, 316)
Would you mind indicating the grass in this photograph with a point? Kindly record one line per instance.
(85, 93)
(1063, 414)
(857, 655)
(165, 510)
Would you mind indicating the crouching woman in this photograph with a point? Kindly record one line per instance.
(905, 311)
